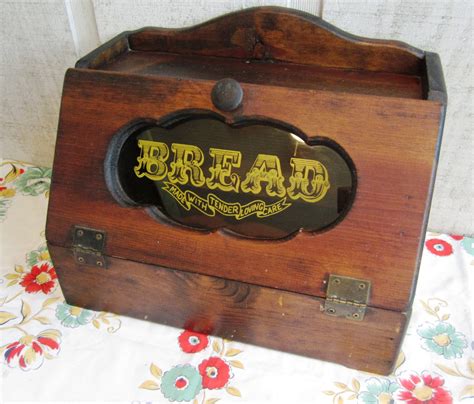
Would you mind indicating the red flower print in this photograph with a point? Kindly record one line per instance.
(21, 171)
(29, 351)
(439, 247)
(192, 342)
(424, 389)
(215, 373)
(456, 237)
(40, 278)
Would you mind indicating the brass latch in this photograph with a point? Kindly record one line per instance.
(347, 297)
(88, 246)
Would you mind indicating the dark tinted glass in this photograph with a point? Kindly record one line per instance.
(257, 180)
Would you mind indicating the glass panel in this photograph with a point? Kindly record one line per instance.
(257, 180)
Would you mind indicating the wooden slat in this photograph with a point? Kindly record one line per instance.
(261, 316)
(275, 74)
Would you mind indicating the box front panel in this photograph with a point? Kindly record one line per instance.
(391, 143)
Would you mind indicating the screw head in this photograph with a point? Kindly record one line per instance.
(361, 286)
(98, 236)
(336, 281)
(331, 311)
(99, 263)
(227, 94)
(355, 315)
(80, 232)
(81, 260)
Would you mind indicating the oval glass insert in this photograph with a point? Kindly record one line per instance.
(256, 179)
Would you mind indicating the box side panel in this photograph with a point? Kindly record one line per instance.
(391, 141)
(262, 316)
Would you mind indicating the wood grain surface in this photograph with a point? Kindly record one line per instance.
(391, 140)
(275, 319)
(275, 74)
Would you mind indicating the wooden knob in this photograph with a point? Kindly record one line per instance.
(227, 95)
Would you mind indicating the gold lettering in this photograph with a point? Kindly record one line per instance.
(187, 164)
(265, 168)
(151, 163)
(309, 180)
(222, 163)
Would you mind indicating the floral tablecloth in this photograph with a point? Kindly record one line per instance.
(55, 352)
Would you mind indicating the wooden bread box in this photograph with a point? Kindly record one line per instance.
(263, 177)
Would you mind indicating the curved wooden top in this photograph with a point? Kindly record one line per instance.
(271, 34)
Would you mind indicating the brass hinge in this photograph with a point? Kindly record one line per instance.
(88, 246)
(347, 297)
